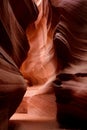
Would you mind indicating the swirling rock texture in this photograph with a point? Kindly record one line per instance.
(13, 50)
(40, 66)
(70, 43)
